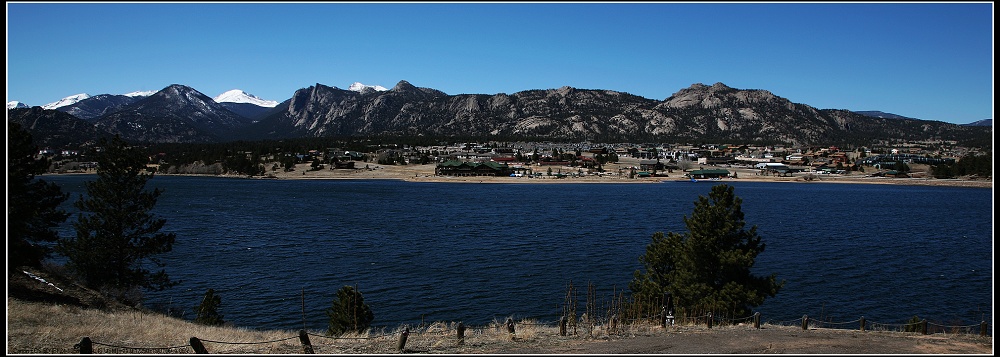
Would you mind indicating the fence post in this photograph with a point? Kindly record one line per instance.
(805, 322)
(461, 333)
(862, 324)
(562, 326)
(982, 329)
(923, 326)
(87, 347)
(756, 320)
(709, 320)
(402, 339)
(198, 347)
(304, 339)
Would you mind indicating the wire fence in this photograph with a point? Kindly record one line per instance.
(374, 341)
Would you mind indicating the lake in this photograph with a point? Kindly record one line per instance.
(276, 251)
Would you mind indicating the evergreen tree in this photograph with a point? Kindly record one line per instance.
(707, 268)
(117, 238)
(349, 313)
(32, 204)
(208, 310)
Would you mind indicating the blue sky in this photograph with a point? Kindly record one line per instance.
(929, 61)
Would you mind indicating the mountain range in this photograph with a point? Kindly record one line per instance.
(699, 113)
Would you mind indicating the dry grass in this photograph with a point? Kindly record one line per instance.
(45, 328)
(37, 325)
(34, 328)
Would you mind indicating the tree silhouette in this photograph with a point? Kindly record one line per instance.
(707, 269)
(32, 204)
(117, 238)
(349, 313)
(208, 310)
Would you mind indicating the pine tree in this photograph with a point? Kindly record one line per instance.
(349, 313)
(117, 237)
(32, 204)
(208, 310)
(707, 268)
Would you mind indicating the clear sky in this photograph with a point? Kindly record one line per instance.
(923, 60)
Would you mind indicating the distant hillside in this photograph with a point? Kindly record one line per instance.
(699, 113)
(984, 122)
(878, 114)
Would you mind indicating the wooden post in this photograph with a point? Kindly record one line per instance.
(862, 324)
(402, 339)
(982, 329)
(756, 320)
(923, 326)
(87, 347)
(461, 333)
(562, 326)
(304, 339)
(709, 320)
(198, 347)
(805, 322)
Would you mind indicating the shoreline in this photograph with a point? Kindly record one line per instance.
(425, 173)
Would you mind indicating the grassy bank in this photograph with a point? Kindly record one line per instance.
(46, 328)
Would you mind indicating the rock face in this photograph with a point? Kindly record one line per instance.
(699, 113)
(716, 113)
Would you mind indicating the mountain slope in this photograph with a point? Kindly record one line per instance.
(98, 105)
(699, 113)
(66, 101)
(53, 128)
(245, 104)
(175, 114)
(716, 113)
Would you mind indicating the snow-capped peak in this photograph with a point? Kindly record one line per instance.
(66, 101)
(144, 93)
(357, 87)
(16, 104)
(239, 96)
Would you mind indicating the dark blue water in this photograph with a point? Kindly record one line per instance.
(425, 252)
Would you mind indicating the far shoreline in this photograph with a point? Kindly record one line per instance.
(334, 175)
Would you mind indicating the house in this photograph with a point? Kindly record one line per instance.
(651, 165)
(896, 174)
(467, 168)
(716, 160)
(774, 168)
(343, 165)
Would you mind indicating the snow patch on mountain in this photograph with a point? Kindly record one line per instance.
(239, 96)
(15, 104)
(66, 101)
(145, 93)
(358, 86)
